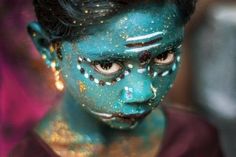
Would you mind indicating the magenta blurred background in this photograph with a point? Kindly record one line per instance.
(24, 94)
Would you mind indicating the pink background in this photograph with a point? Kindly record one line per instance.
(24, 95)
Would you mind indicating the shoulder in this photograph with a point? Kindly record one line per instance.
(189, 133)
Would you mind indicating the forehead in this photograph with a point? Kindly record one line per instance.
(139, 24)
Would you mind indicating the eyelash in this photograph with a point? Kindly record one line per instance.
(122, 63)
(100, 66)
(123, 71)
(169, 54)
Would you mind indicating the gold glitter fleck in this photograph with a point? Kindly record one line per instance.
(82, 87)
(51, 48)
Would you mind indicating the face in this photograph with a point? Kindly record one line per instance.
(124, 67)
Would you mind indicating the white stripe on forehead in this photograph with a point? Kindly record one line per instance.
(144, 37)
(141, 49)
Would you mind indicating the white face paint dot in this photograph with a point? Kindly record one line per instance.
(141, 70)
(86, 75)
(78, 67)
(130, 66)
(178, 59)
(118, 79)
(126, 73)
(108, 83)
(155, 74)
(96, 81)
(174, 67)
(80, 59)
(165, 73)
(88, 60)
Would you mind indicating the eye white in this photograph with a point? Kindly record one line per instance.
(108, 68)
(165, 58)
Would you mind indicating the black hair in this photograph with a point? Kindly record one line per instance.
(62, 18)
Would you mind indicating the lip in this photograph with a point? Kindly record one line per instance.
(132, 116)
(130, 119)
(122, 116)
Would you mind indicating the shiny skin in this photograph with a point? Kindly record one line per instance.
(107, 42)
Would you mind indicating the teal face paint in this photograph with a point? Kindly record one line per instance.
(122, 69)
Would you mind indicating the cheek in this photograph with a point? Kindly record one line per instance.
(102, 97)
(87, 91)
(91, 94)
(165, 79)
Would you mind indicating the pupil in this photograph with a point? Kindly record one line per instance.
(163, 56)
(106, 65)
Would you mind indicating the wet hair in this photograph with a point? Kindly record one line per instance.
(70, 18)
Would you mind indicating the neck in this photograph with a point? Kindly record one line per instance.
(69, 127)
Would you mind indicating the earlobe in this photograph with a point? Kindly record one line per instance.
(41, 41)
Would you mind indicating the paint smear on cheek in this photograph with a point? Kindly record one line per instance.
(82, 87)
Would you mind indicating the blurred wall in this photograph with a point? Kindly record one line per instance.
(207, 79)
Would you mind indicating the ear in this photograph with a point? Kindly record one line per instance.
(42, 42)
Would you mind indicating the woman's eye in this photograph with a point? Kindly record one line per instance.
(165, 58)
(108, 68)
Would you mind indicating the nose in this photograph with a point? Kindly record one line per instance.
(138, 89)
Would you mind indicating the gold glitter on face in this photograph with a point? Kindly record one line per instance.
(82, 87)
(51, 48)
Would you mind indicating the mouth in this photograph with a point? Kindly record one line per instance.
(130, 118)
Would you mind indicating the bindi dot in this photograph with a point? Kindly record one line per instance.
(145, 57)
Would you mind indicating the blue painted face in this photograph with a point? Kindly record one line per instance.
(125, 66)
